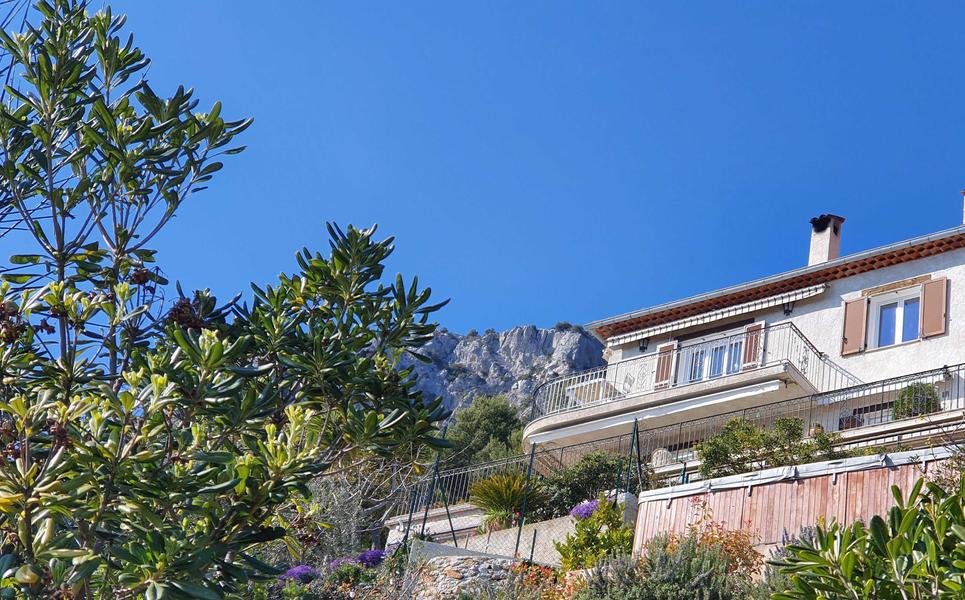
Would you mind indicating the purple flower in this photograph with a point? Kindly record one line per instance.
(300, 573)
(338, 562)
(371, 558)
(584, 510)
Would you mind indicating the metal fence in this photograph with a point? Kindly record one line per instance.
(436, 508)
(916, 410)
(891, 412)
(719, 357)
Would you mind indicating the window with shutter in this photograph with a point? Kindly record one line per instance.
(665, 365)
(753, 344)
(934, 307)
(855, 326)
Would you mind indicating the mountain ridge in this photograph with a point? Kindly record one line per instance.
(512, 362)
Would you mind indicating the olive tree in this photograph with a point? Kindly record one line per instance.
(149, 449)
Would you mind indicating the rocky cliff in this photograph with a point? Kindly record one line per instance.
(512, 362)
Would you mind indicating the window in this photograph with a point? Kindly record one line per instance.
(895, 318)
(714, 359)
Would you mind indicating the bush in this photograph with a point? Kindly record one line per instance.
(595, 472)
(501, 499)
(736, 544)
(689, 568)
(601, 535)
(671, 569)
(742, 446)
(917, 552)
(916, 399)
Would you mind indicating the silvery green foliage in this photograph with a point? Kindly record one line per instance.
(149, 452)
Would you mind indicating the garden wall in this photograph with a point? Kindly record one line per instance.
(446, 577)
(778, 502)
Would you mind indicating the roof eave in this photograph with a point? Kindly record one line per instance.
(594, 326)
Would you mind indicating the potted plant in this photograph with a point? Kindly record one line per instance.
(915, 400)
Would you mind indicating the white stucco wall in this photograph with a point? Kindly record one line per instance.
(821, 320)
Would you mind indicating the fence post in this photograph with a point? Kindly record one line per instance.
(432, 492)
(626, 487)
(452, 528)
(408, 524)
(636, 443)
(522, 512)
(432, 486)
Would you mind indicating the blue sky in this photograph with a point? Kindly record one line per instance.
(555, 161)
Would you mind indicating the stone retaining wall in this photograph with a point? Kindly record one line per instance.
(445, 577)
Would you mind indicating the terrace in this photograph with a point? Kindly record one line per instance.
(753, 366)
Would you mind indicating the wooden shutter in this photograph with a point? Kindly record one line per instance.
(753, 335)
(855, 327)
(934, 307)
(665, 359)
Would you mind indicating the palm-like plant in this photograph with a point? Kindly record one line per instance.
(501, 498)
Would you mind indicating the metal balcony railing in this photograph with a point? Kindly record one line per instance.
(896, 412)
(716, 358)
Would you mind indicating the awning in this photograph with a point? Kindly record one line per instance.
(716, 315)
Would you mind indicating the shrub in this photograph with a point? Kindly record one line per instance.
(371, 558)
(742, 446)
(159, 447)
(916, 399)
(348, 573)
(595, 472)
(584, 510)
(918, 551)
(301, 573)
(736, 544)
(671, 569)
(601, 535)
(690, 568)
(501, 499)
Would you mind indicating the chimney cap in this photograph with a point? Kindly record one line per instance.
(821, 222)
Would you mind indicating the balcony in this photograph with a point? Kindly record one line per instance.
(778, 360)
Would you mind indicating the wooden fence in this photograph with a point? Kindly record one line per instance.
(773, 510)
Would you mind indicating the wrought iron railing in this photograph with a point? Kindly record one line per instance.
(716, 358)
(892, 412)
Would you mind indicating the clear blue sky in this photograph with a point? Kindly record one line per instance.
(549, 161)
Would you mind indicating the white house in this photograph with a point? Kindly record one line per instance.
(836, 343)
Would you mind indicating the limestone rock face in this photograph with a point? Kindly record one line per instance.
(511, 362)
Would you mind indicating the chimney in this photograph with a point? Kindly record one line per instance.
(825, 239)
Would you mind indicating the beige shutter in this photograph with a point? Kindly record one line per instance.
(665, 359)
(855, 326)
(934, 307)
(753, 338)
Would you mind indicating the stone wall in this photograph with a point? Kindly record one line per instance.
(445, 577)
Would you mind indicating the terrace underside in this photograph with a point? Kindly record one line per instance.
(760, 387)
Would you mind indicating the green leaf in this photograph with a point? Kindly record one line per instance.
(197, 591)
(26, 259)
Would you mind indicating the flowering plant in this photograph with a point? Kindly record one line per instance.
(584, 510)
(371, 558)
(300, 573)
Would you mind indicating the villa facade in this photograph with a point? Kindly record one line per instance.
(869, 346)
(836, 343)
